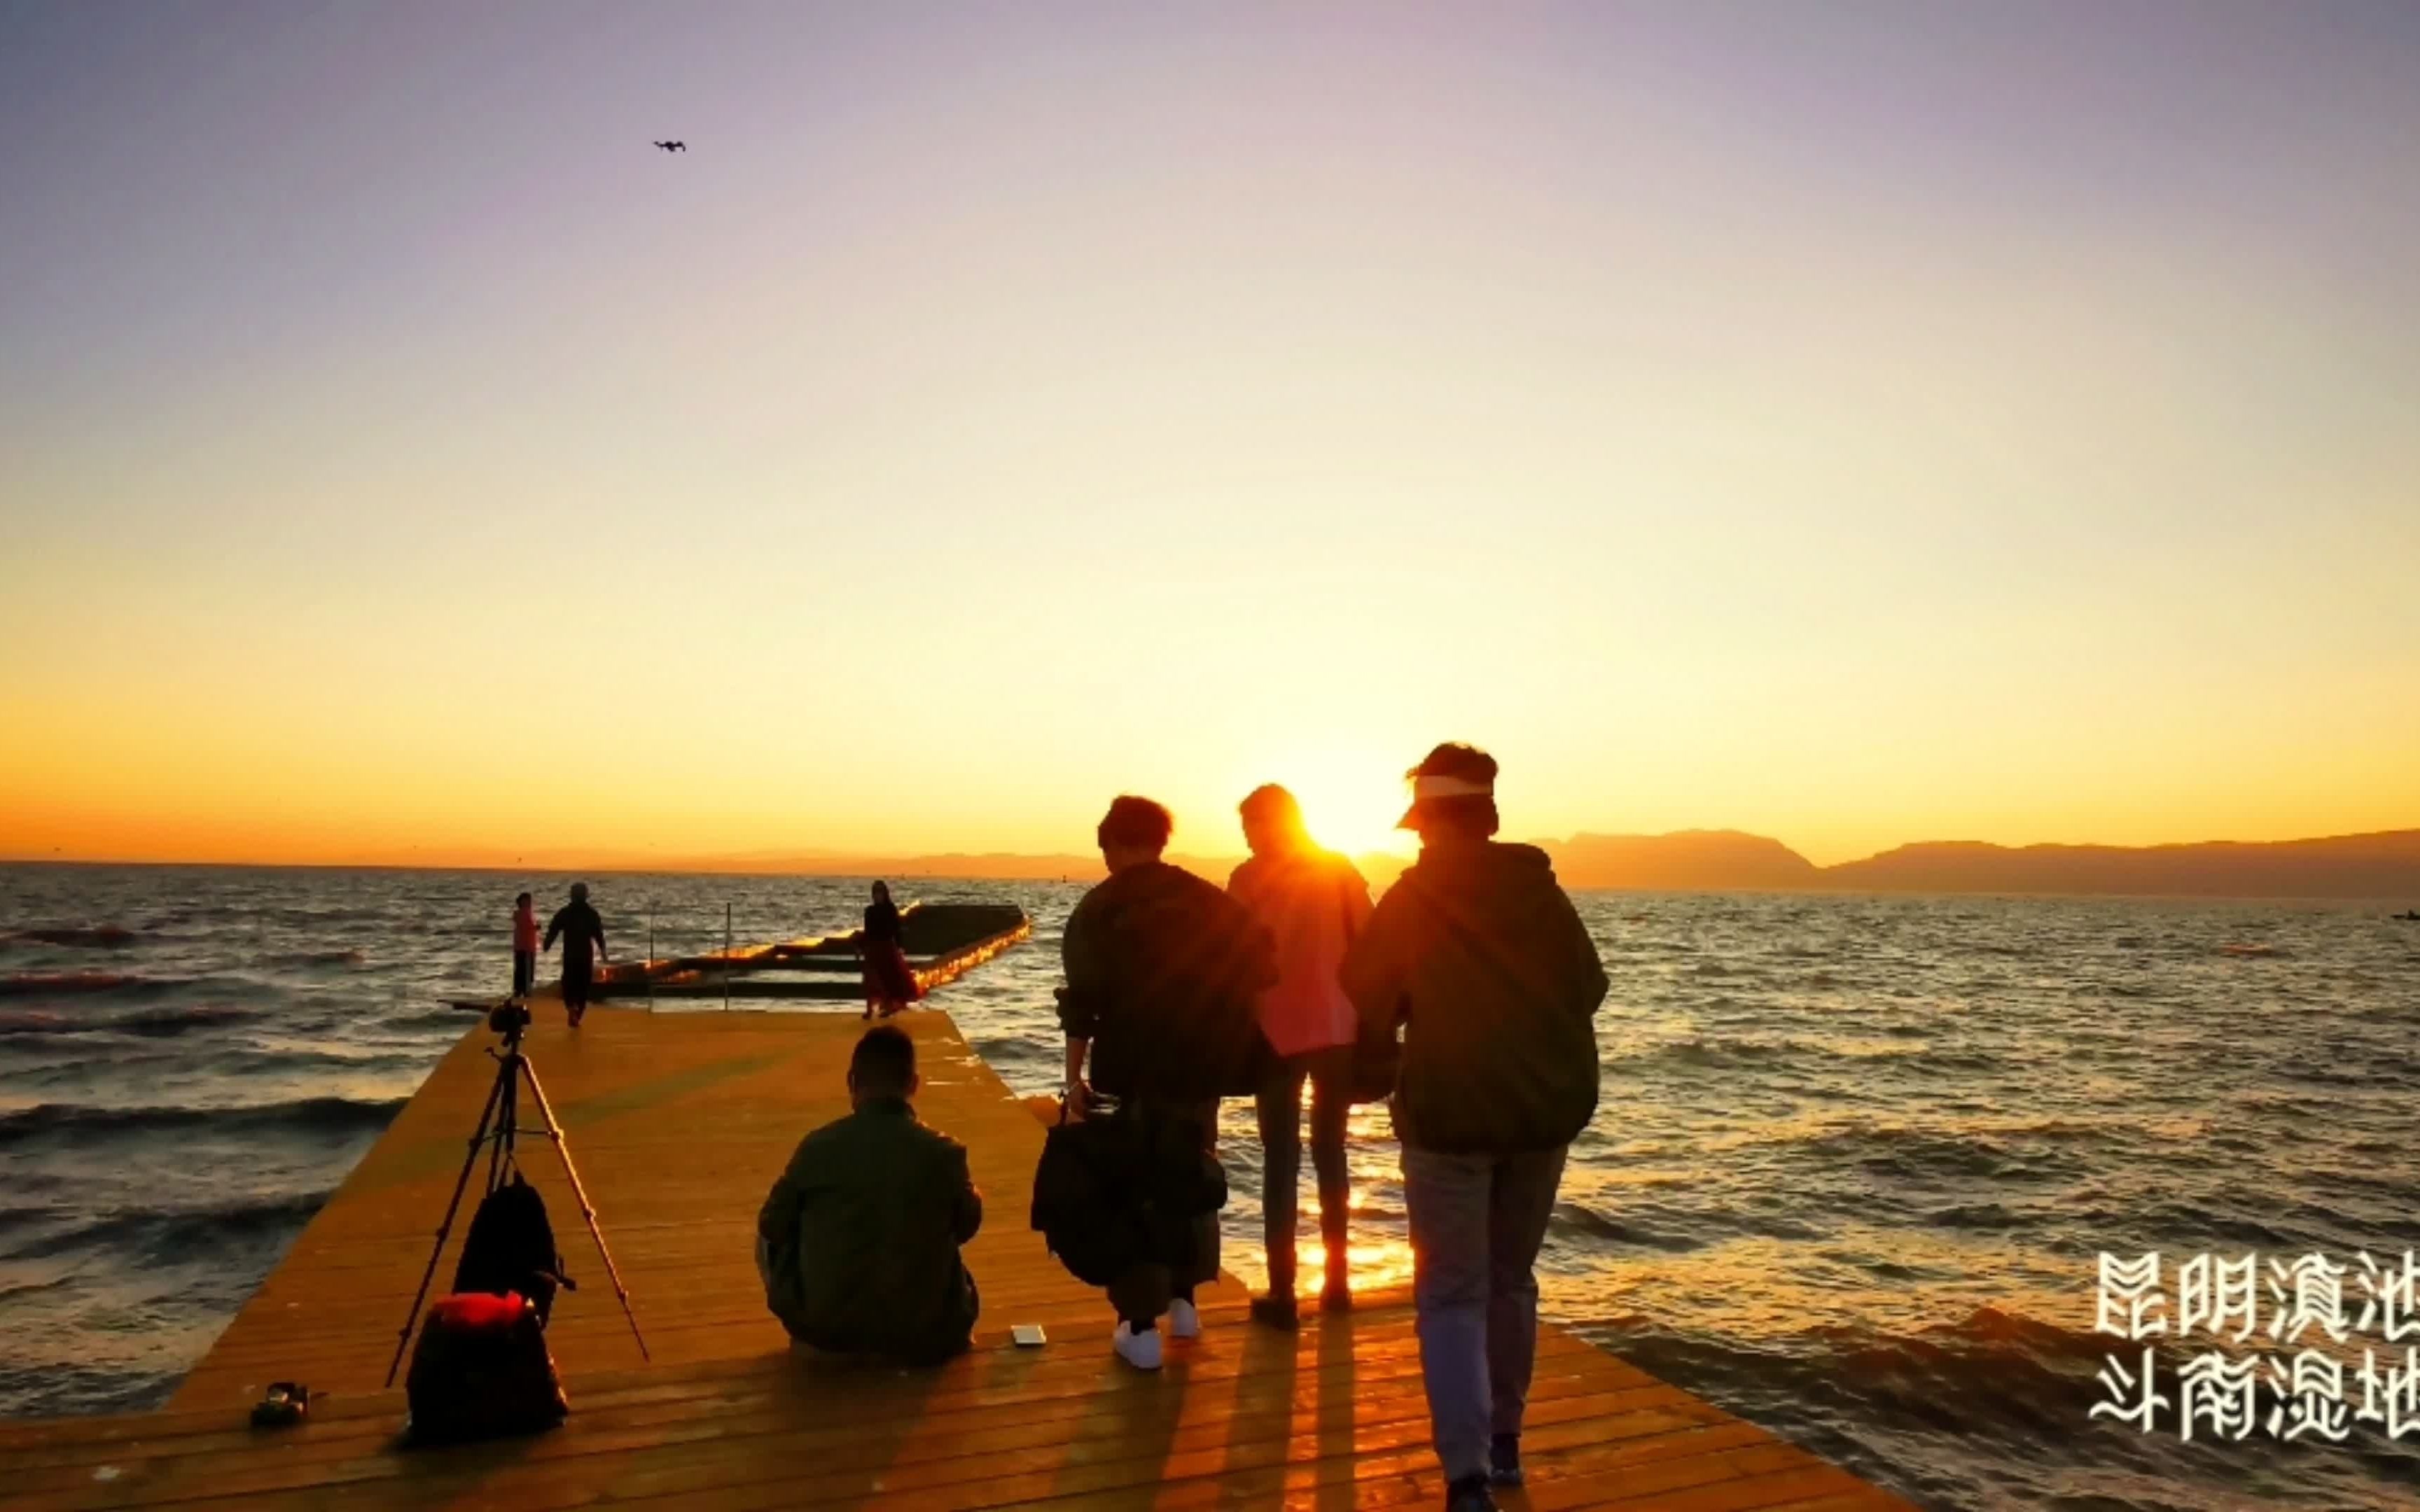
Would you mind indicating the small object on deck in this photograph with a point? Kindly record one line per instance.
(282, 1405)
(1029, 1335)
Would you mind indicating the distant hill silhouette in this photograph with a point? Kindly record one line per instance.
(2382, 865)
(1691, 860)
(2385, 866)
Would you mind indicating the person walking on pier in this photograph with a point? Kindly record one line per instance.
(858, 1243)
(1163, 971)
(1478, 954)
(584, 945)
(889, 981)
(1312, 902)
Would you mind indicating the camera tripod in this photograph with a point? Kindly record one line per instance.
(497, 1128)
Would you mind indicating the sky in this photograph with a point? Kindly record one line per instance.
(1854, 424)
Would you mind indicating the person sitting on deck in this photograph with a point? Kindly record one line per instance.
(858, 1241)
(584, 945)
(1481, 959)
(1164, 972)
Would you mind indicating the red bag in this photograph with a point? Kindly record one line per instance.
(482, 1370)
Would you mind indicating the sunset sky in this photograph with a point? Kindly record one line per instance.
(1854, 422)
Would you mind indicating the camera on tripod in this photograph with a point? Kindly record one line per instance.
(507, 1018)
(511, 1242)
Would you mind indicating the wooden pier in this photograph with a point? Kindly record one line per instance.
(679, 1123)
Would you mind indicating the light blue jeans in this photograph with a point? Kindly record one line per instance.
(1477, 1223)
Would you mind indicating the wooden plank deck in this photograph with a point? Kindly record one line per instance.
(679, 1123)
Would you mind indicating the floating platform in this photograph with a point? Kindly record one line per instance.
(678, 1123)
(942, 942)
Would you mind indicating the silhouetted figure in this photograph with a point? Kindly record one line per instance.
(889, 981)
(525, 946)
(1480, 958)
(1164, 972)
(672, 147)
(583, 944)
(1312, 903)
(858, 1241)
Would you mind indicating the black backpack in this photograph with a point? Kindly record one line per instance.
(511, 1248)
(1115, 1190)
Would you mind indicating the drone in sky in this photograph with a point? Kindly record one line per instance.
(672, 147)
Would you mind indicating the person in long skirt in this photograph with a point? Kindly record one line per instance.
(889, 982)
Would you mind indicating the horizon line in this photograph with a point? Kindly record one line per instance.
(808, 862)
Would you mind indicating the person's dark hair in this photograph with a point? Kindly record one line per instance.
(1272, 805)
(882, 892)
(1471, 814)
(1135, 823)
(1270, 801)
(520, 899)
(884, 1062)
(580, 892)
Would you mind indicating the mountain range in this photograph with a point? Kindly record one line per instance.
(2385, 865)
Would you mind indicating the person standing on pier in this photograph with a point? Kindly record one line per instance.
(584, 945)
(1479, 955)
(525, 946)
(1312, 902)
(889, 981)
(1164, 972)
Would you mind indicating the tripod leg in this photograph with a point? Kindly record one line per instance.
(563, 1148)
(470, 1158)
(500, 1154)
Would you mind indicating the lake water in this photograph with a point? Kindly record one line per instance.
(1855, 1161)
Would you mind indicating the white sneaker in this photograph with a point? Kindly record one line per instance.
(1141, 1351)
(1184, 1320)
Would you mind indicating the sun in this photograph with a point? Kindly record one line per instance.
(1349, 805)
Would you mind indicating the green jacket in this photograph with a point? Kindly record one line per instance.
(1481, 957)
(859, 1240)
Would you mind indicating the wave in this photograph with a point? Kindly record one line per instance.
(161, 1022)
(1698, 1051)
(317, 1115)
(151, 1024)
(316, 958)
(60, 984)
(165, 1235)
(1608, 1229)
(1961, 1401)
(1922, 1154)
(90, 938)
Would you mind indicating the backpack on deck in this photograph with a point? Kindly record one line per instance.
(481, 1371)
(510, 1249)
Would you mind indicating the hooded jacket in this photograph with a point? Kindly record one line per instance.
(1164, 976)
(1478, 954)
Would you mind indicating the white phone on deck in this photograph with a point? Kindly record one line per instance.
(1027, 1335)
